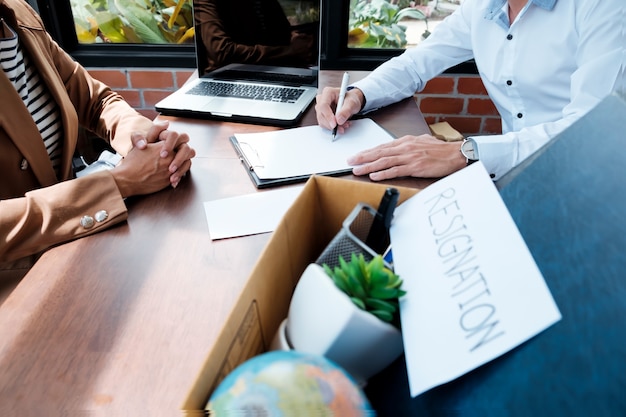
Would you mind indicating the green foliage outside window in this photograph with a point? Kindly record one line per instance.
(133, 21)
(373, 23)
(376, 23)
(300, 12)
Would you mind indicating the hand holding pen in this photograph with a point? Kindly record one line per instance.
(342, 95)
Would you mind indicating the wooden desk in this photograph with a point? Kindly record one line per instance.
(118, 323)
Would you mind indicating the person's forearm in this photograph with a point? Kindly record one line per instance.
(59, 213)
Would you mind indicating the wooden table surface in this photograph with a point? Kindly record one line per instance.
(119, 323)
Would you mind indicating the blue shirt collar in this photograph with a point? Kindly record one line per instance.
(494, 10)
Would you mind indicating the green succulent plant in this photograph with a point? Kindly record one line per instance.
(370, 285)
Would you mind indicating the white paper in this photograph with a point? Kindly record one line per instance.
(249, 214)
(473, 289)
(308, 150)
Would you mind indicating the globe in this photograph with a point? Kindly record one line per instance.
(288, 383)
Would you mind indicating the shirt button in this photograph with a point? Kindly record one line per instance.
(509, 82)
(24, 164)
(520, 115)
(509, 36)
(87, 222)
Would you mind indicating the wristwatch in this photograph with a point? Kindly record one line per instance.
(469, 150)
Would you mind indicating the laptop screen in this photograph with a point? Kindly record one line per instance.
(276, 33)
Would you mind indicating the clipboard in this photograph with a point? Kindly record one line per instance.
(266, 183)
(293, 155)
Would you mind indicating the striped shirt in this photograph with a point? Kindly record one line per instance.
(34, 93)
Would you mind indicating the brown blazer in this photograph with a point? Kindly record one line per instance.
(36, 210)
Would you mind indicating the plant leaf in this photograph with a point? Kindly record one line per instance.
(111, 26)
(410, 12)
(384, 293)
(83, 34)
(359, 303)
(383, 315)
(356, 289)
(341, 281)
(189, 34)
(376, 304)
(142, 21)
(174, 15)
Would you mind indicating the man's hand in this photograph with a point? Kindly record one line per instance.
(326, 102)
(410, 156)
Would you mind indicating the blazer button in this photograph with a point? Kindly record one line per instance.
(87, 222)
(101, 216)
(24, 164)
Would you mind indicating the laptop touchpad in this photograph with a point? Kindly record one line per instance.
(229, 106)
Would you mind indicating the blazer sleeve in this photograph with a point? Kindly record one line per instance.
(54, 214)
(99, 109)
(59, 213)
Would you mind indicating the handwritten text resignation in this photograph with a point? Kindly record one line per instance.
(469, 288)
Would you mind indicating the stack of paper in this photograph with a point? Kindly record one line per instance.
(301, 152)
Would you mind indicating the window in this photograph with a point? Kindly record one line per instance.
(140, 33)
(381, 24)
(151, 22)
(361, 34)
(123, 33)
(82, 29)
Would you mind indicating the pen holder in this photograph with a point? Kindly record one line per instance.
(351, 238)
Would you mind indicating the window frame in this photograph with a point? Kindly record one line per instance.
(335, 54)
(58, 19)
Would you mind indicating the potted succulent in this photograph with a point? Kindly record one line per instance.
(348, 313)
(370, 285)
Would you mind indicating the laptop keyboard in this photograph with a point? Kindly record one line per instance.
(273, 77)
(249, 91)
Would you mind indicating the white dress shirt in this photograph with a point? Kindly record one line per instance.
(554, 63)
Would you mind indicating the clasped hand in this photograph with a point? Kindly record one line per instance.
(158, 159)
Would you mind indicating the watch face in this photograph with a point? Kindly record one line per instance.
(467, 149)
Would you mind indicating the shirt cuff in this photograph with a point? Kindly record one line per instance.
(496, 153)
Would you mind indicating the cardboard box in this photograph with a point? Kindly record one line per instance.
(310, 223)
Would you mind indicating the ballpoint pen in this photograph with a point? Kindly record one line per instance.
(342, 95)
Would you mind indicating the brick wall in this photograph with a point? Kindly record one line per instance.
(141, 87)
(461, 100)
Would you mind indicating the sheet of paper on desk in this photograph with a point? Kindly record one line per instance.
(308, 150)
(474, 291)
(248, 214)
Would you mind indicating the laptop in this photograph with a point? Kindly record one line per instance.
(248, 93)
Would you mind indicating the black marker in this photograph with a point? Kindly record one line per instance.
(378, 236)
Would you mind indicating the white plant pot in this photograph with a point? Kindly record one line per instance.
(280, 341)
(324, 321)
